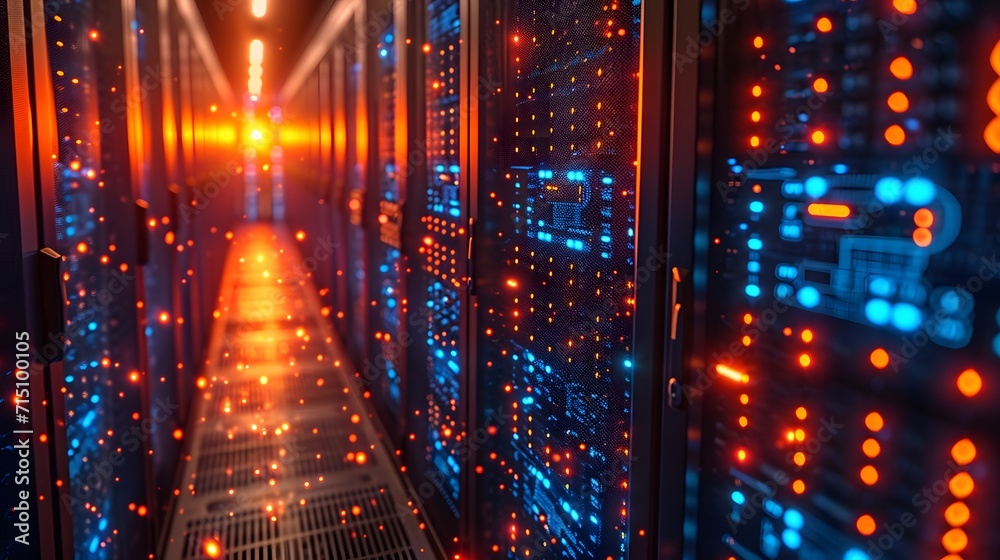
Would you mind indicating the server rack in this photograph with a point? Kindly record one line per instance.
(569, 281)
(850, 318)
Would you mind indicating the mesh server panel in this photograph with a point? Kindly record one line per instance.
(438, 285)
(850, 408)
(356, 187)
(386, 369)
(106, 438)
(560, 109)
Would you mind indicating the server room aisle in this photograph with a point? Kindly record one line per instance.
(283, 459)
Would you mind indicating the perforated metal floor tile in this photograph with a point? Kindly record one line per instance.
(284, 462)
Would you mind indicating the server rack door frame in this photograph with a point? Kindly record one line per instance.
(27, 127)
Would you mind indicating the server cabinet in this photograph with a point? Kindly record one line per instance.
(556, 269)
(847, 410)
(108, 417)
(354, 67)
(384, 369)
(29, 307)
(436, 285)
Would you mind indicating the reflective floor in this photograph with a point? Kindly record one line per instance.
(284, 459)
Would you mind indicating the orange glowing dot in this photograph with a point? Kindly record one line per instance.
(879, 358)
(355, 510)
(898, 102)
(818, 137)
(142, 511)
(800, 435)
(923, 218)
(963, 452)
(901, 68)
(758, 42)
(787, 331)
(201, 383)
(922, 237)
(895, 135)
(744, 399)
(757, 91)
(801, 413)
(869, 475)
(866, 525)
(755, 116)
(754, 141)
(300, 235)
(961, 485)
(741, 455)
(164, 317)
(874, 422)
(361, 458)
(970, 383)
(427, 47)
(93, 35)
(799, 458)
(955, 541)
(746, 340)
(178, 434)
(907, 7)
(821, 85)
(805, 360)
(824, 25)
(747, 319)
(807, 335)
(212, 549)
(798, 487)
(871, 448)
(957, 514)
(355, 419)
(744, 421)
(81, 248)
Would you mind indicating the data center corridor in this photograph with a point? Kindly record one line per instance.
(500, 279)
(283, 460)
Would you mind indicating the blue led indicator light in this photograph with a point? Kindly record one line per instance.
(808, 297)
(878, 311)
(919, 191)
(889, 190)
(816, 186)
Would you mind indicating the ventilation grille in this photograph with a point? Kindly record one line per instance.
(254, 459)
(281, 392)
(362, 524)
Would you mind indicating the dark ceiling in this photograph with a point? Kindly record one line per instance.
(285, 30)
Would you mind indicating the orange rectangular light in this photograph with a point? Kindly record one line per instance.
(731, 373)
(828, 210)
